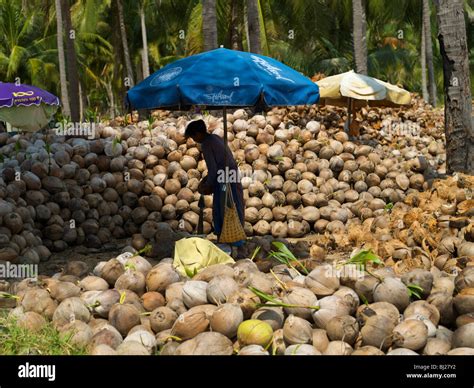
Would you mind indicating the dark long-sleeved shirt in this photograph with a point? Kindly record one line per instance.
(213, 151)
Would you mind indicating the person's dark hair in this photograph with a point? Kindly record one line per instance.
(196, 126)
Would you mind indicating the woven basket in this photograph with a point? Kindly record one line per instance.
(232, 229)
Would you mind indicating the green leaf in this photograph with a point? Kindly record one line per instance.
(363, 257)
(255, 253)
(414, 290)
(271, 301)
(364, 300)
(6, 295)
(190, 273)
(285, 256)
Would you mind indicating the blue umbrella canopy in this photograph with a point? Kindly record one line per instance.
(223, 78)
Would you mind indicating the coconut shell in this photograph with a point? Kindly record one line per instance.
(131, 280)
(206, 344)
(436, 346)
(160, 277)
(423, 308)
(69, 310)
(464, 301)
(78, 333)
(111, 271)
(367, 351)
(189, 324)
(302, 350)
(39, 301)
(194, 293)
(322, 281)
(377, 332)
(31, 321)
(102, 350)
(132, 348)
(402, 352)
(393, 291)
(220, 289)
(297, 331)
(123, 317)
(107, 337)
(226, 319)
(411, 334)
(344, 328)
(338, 348)
(93, 283)
(301, 297)
(143, 337)
(162, 318)
(443, 301)
(329, 307)
(104, 301)
(253, 350)
(464, 336)
(152, 300)
(208, 273)
(274, 316)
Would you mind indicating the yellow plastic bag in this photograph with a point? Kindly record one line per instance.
(191, 255)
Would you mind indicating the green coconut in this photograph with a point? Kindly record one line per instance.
(254, 332)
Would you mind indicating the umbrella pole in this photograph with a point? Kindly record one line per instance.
(349, 109)
(224, 113)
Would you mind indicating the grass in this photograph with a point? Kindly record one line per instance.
(15, 340)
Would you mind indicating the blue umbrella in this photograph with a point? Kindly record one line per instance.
(223, 78)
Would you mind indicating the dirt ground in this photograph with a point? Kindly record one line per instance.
(92, 256)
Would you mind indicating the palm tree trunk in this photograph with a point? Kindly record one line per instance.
(235, 39)
(359, 35)
(126, 51)
(111, 99)
(71, 68)
(81, 104)
(424, 83)
(429, 51)
(145, 63)
(254, 26)
(209, 24)
(458, 118)
(62, 61)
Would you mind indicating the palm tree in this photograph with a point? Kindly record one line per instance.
(457, 87)
(424, 82)
(71, 68)
(126, 51)
(209, 24)
(235, 38)
(253, 26)
(62, 61)
(360, 35)
(145, 63)
(429, 52)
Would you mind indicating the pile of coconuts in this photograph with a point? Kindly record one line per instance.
(300, 171)
(126, 306)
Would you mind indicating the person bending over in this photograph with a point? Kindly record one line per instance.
(212, 147)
